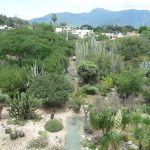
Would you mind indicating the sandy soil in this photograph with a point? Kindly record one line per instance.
(31, 129)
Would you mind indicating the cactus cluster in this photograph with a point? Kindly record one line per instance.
(14, 134)
(23, 106)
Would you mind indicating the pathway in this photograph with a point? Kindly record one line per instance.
(73, 137)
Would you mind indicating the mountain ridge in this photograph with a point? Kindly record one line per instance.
(99, 17)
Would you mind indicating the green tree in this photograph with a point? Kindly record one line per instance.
(54, 18)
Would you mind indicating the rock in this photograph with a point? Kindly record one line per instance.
(133, 146)
(8, 130)
(21, 133)
(13, 135)
(129, 143)
(74, 58)
(83, 136)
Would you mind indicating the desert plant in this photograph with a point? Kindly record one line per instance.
(13, 135)
(126, 117)
(76, 100)
(111, 139)
(118, 120)
(103, 120)
(90, 90)
(87, 72)
(8, 130)
(39, 142)
(16, 122)
(51, 88)
(23, 106)
(53, 125)
(138, 134)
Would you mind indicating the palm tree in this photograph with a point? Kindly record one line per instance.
(54, 18)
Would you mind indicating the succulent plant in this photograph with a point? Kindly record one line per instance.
(13, 135)
(8, 130)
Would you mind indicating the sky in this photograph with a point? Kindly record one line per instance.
(28, 9)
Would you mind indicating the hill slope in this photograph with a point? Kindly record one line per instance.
(101, 16)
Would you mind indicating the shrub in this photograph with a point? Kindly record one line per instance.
(10, 81)
(87, 72)
(105, 84)
(40, 142)
(91, 90)
(51, 88)
(23, 106)
(129, 82)
(53, 125)
(16, 122)
(4, 98)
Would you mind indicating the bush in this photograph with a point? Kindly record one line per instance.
(91, 90)
(53, 125)
(4, 98)
(105, 85)
(87, 72)
(40, 142)
(51, 88)
(10, 79)
(23, 106)
(129, 82)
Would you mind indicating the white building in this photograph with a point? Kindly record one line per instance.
(80, 33)
(3, 27)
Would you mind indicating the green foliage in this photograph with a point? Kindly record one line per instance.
(103, 120)
(42, 132)
(129, 82)
(126, 117)
(54, 18)
(76, 100)
(53, 125)
(51, 88)
(10, 79)
(114, 29)
(4, 98)
(111, 138)
(105, 85)
(87, 72)
(142, 29)
(39, 142)
(90, 90)
(16, 122)
(12, 21)
(132, 47)
(24, 45)
(23, 106)
(101, 37)
(146, 93)
(138, 134)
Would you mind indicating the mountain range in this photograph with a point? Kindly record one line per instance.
(99, 17)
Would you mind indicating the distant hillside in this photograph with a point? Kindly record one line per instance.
(12, 21)
(99, 16)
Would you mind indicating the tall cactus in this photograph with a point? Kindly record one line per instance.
(23, 106)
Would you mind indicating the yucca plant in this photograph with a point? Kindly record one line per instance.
(138, 134)
(126, 117)
(103, 120)
(110, 140)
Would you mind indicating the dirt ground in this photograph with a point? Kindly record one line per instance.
(31, 129)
